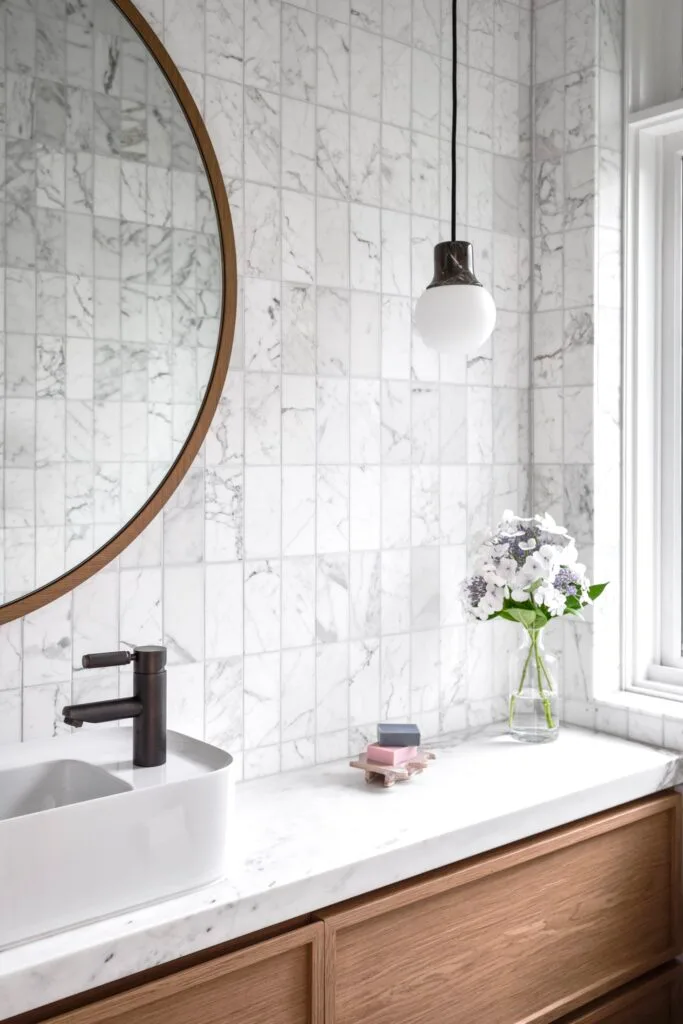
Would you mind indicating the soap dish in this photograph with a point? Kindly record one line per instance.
(388, 774)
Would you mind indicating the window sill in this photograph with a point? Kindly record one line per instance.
(647, 703)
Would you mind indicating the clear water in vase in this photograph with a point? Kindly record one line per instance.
(529, 720)
(534, 705)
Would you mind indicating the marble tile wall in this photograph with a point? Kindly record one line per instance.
(305, 576)
(110, 277)
(577, 330)
(576, 355)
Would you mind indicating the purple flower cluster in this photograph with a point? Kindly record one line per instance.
(520, 540)
(476, 589)
(568, 583)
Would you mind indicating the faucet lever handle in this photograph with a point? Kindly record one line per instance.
(107, 659)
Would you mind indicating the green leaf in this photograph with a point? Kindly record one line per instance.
(595, 591)
(573, 603)
(523, 615)
(541, 619)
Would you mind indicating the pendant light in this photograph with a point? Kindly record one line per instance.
(455, 314)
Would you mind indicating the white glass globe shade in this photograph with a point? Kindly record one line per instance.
(455, 319)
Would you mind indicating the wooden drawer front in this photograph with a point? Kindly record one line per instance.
(522, 935)
(655, 1000)
(278, 981)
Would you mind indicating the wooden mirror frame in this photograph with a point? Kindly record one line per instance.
(155, 503)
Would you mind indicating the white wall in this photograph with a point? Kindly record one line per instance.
(305, 576)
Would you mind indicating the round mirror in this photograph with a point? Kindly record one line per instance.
(120, 285)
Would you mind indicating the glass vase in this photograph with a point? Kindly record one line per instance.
(534, 704)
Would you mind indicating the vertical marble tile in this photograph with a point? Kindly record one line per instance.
(332, 243)
(364, 683)
(332, 421)
(298, 53)
(332, 684)
(332, 159)
(262, 324)
(365, 247)
(185, 31)
(395, 422)
(298, 149)
(298, 237)
(396, 253)
(365, 335)
(262, 597)
(225, 38)
(396, 83)
(365, 508)
(41, 718)
(396, 337)
(183, 600)
(298, 329)
(262, 511)
(298, 694)
(364, 181)
(397, 20)
(426, 93)
(262, 44)
(365, 438)
(332, 509)
(224, 514)
(261, 136)
(366, 68)
(395, 677)
(424, 505)
(262, 412)
(261, 700)
(10, 716)
(395, 506)
(396, 176)
(298, 510)
(333, 64)
(224, 631)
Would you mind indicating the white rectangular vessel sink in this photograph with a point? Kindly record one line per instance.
(84, 834)
(40, 787)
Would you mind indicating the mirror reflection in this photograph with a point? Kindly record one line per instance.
(112, 283)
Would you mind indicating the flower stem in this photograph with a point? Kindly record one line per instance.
(540, 672)
(522, 678)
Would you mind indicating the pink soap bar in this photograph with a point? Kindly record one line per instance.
(390, 755)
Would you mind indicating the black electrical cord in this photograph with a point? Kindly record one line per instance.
(454, 124)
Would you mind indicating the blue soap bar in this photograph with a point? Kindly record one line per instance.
(389, 734)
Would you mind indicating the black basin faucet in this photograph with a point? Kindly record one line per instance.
(147, 706)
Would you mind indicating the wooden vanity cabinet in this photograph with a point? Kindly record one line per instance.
(527, 934)
(522, 935)
(273, 982)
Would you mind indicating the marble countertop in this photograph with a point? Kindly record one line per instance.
(307, 839)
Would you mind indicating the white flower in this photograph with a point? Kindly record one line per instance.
(525, 559)
(548, 525)
(553, 600)
(491, 574)
(492, 602)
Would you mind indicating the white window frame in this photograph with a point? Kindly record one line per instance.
(653, 407)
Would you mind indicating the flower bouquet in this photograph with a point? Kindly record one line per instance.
(528, 572)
